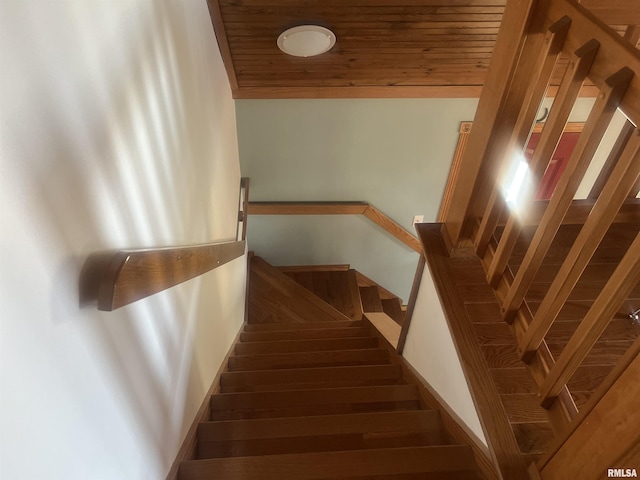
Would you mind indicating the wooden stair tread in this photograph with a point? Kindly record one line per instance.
(518, 380)
(524, 408)
(325, 465)
(312, 334)
(560, 332)
(290, 346)
(313, 410)
(308, 359)
(310, 375)
(418, 420)
(533, 437)
(387, 327)
(314, 268)
(602, 353)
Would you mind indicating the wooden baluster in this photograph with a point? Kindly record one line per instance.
(632, 34)
(613, 195)
(497, 109)
(635, 190)
(622, 282)
(608, 100)
(549, 138)
(546, 61)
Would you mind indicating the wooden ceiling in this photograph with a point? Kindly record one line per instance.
(384, 48)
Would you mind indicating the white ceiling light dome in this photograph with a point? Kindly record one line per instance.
(306, 40)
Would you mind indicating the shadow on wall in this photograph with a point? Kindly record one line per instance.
(118, 131)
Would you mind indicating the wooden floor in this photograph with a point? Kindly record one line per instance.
(515, 385)
(317, 396)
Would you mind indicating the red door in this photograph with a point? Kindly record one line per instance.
(556, 165)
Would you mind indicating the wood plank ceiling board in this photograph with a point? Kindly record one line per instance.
(384, 48)
(413, 48)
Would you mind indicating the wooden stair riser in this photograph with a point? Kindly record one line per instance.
(304, 334)
(326, 465)
(371, 301)
(319, 443)
(310, 410)
(424, 421)
(308, 359)
(302, 375)
(321, 433)
(292, 346)
(313, 402)
(393, 308)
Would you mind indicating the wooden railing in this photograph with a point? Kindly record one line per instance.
(132, 275)
(516, 86)
(117, 278)
(338, 208)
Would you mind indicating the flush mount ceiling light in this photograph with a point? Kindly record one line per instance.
(306, 40)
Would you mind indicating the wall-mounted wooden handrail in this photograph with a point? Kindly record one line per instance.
(130, 275)
(307, 208)
(338, 208)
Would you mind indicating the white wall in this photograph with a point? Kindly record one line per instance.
(430, 350)
(117, 131)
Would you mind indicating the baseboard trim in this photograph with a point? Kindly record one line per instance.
(503, 446)
(452, 423)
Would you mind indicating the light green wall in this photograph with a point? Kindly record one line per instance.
(393, 153)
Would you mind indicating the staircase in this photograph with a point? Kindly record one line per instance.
(311, 392)
(347, 290)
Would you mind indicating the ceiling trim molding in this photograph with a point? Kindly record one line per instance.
(444, 91)
(223, 44)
